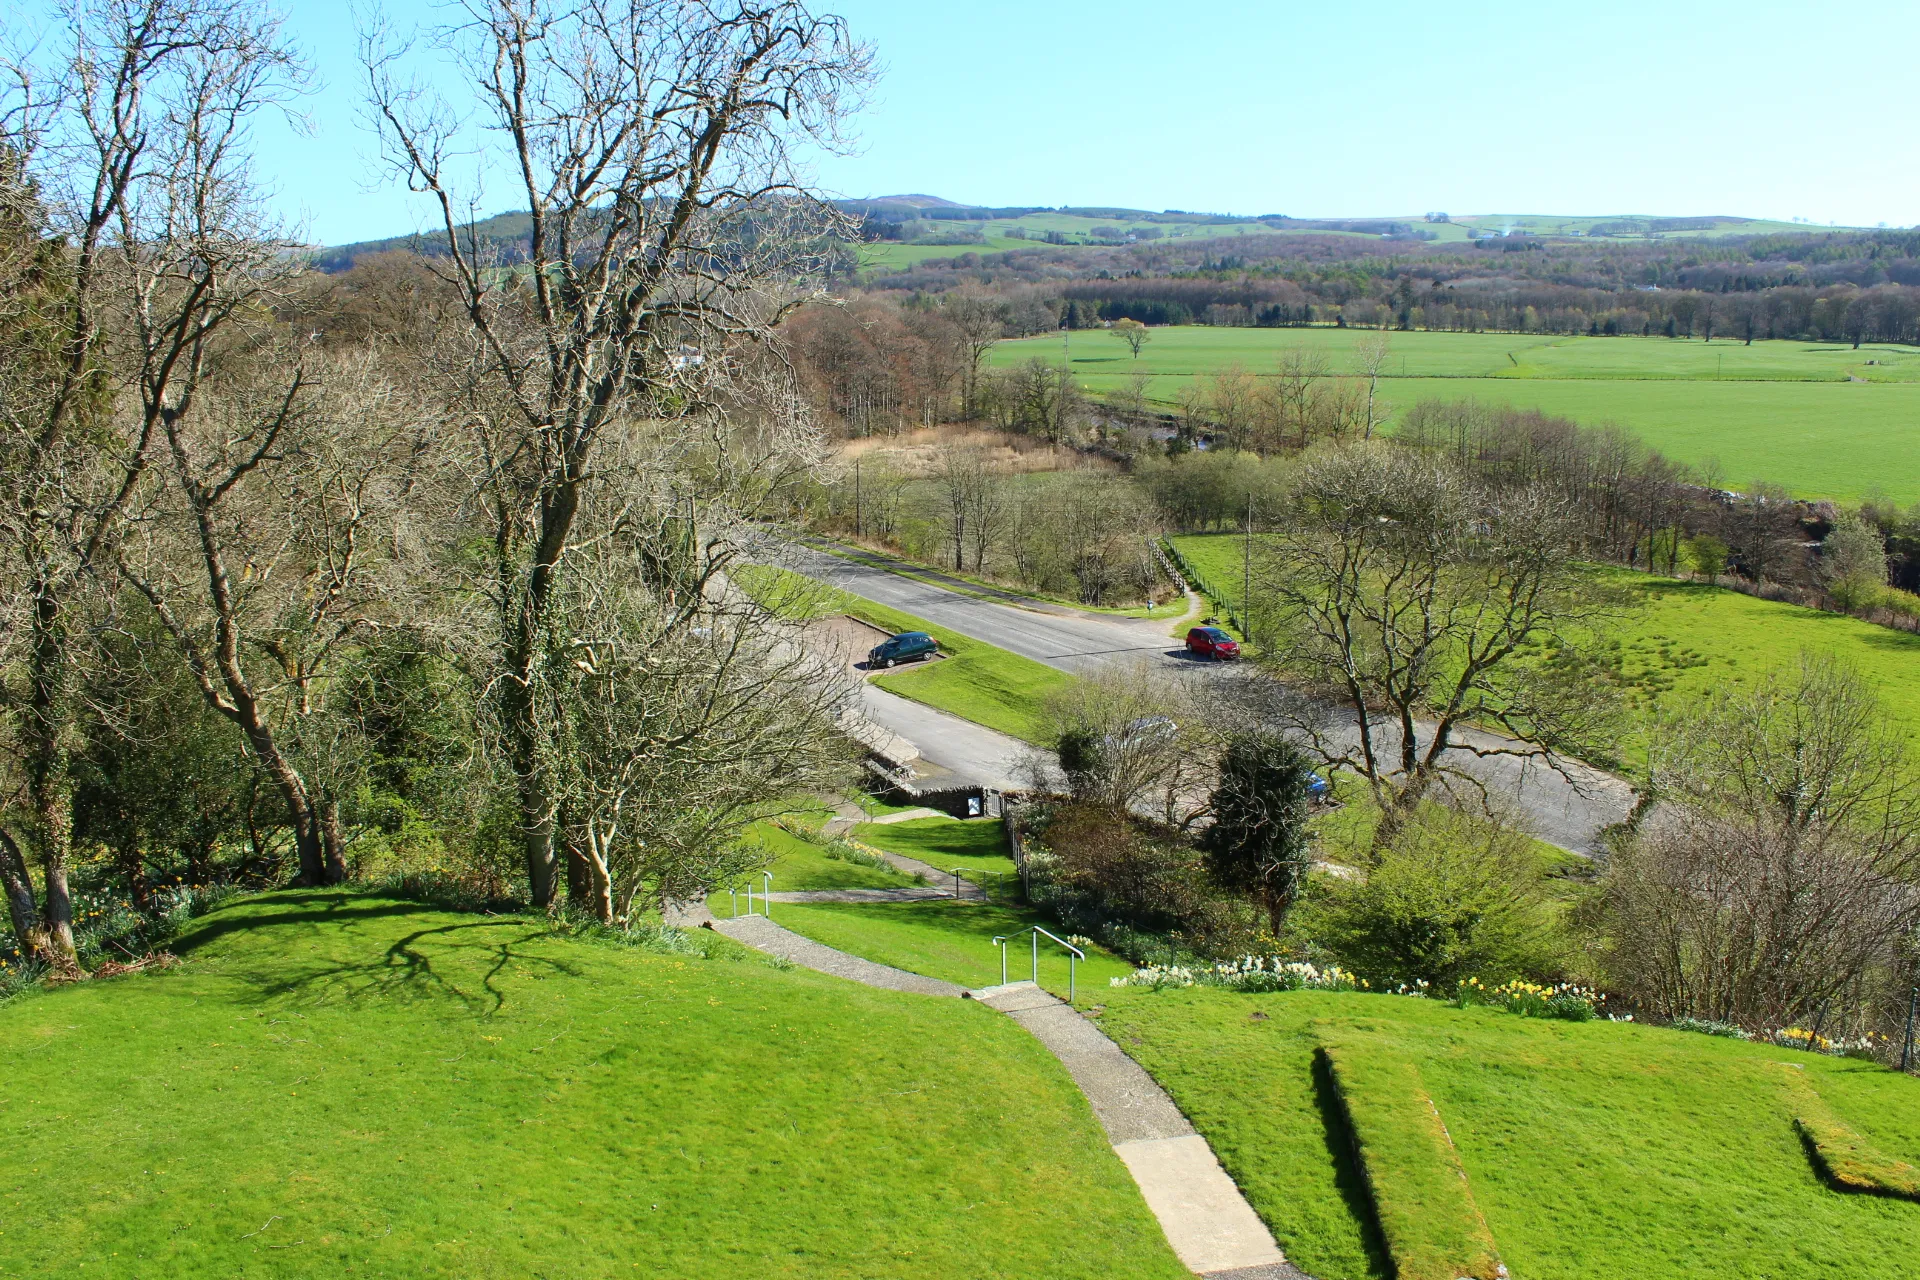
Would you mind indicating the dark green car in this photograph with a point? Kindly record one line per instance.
(908, 646)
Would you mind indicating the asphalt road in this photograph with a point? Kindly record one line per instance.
(1546, 804)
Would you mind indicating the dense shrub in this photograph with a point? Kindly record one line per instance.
(1451, 896)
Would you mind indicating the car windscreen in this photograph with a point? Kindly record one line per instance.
(1215, 634)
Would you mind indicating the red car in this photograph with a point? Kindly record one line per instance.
(1211, 642)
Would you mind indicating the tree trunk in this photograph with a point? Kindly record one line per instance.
(22, 908)
(301, 815)
(49, 786)
(333, 847)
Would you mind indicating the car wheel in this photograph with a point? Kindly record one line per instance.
(885, 663)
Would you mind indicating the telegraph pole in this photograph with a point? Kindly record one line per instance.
(858, 530)
(1246, 575)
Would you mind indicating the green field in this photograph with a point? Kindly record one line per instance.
(1596, 1151)
(335, 1083)
(1787, 412)
(1079, 230)
(1685, 639)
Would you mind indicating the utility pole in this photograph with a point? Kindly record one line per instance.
(1246, 576)
(858, 528)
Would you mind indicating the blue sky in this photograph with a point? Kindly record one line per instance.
(1759, 108)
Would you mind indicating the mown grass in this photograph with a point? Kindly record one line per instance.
(977, 846)
(1594, 1150)
(973, 680)
(803, 866)
(1788, 412)
(1678, 641)
(1420, 1195)
(335, 1083)
(1847, 1159)
(950, 940)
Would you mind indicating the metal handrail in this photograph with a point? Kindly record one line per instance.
(1074, 956)
(766, 899)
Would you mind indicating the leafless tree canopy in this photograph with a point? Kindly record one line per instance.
(1418, 603)
(653, 145)
(1773, 885)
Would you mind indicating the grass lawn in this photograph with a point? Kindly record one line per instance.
(949, 940)
(975, 680)
(338, 1083)
(1788, 412)
(800, 865)
(1687, 638)
(1596, 1151)
(974, 844)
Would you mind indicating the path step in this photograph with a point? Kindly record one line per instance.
(1014, 997)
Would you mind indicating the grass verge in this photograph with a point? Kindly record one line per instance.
(1425, 1209)
(335, 1082)
(975, 680)
(1681, 640)
(1595, 1150)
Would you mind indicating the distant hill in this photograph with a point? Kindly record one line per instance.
(885, 218)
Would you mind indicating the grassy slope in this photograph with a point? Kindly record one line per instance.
(338, 1082)
(975, 681)
(1689, 638)
(978, 845)
(802, 866)
(1596, 1151)
(1781, 411)
(949, 940)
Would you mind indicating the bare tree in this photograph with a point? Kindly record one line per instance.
(962, 480)
(667, 741)
(131, 141)
(1772, 884)
(1410, 598)
(982, 322)
(1133, 738)
(654, 145)
(1294, 390)
(1372, 352)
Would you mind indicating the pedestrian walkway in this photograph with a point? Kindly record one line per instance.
(1213, 1230)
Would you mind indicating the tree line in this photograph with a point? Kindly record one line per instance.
(421, 567)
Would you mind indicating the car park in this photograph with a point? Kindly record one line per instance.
(1212, 642)
(908, 646)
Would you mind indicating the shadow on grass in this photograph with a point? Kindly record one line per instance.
(404, 969)
(245, 916)
(1347, 1175)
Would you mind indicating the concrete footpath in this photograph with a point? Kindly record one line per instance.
(1213, 1230)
